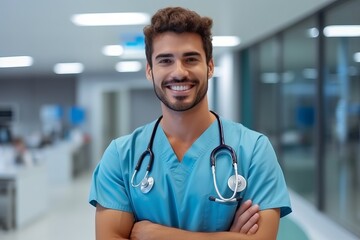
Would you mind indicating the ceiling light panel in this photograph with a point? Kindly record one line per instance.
(68, 68)
(110, 19)
(16, 61)
(128, 66)
(225, 41)
(357, 57)
(113, 50)
(342, 31)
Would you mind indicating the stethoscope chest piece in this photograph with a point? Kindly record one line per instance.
(147, 184)
(241, 183)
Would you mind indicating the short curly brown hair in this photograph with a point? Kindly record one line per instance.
(178, 20)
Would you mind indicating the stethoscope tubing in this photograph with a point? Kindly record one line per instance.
(149, 152)
(147, 183)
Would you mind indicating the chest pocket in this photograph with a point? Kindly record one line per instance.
(225, 214)
(222, 213)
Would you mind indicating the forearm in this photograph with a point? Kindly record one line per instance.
(177, 234)
(107, 224)
(268, 226)
(149, 231)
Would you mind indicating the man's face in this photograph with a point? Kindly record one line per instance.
(179, 73)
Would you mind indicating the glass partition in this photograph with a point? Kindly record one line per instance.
(305, 91)
(298, 108)
(342, 121)
(265, 95)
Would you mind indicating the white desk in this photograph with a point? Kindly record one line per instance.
(27, 194)
(24, 191)
(7, 202)
(64, 161)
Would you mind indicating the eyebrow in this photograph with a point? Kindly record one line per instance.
(167, 55)
(188, 54)
(163, 55)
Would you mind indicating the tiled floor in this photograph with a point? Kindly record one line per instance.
(69, 216)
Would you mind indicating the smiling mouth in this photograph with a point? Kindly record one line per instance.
(180, 88)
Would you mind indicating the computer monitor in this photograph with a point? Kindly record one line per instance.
(7, 114)
(5, 134)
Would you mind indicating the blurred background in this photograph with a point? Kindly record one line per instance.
(71, 81)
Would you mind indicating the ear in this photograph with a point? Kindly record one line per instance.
(211, 68)
(148, 72)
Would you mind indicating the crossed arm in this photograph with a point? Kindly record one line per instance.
(248, 223)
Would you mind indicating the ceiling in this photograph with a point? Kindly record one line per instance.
(43, 30)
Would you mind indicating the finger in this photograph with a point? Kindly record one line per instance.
(235, 227)
(245, 216)
(243, 207)
(246, 219)
(253, 229)
(250, 223)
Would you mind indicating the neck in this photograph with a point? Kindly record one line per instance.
(182, 129)
(187, 125)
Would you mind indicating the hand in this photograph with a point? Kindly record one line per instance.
(142, 230)
(246, 218)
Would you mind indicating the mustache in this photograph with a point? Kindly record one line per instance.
(178, 80)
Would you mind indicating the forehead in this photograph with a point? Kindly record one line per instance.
(177, 43)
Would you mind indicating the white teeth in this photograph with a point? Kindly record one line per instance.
(180, 88)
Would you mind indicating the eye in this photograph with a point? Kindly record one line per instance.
(191, 59)
(165, 61)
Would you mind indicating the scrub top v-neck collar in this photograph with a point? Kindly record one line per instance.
(196, 151)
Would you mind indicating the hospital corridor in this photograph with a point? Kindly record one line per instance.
(71, 83)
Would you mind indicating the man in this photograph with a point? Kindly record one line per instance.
(174, 203)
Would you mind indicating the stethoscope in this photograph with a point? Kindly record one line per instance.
(236, 182)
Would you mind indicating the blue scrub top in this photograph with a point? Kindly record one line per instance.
(180, 195)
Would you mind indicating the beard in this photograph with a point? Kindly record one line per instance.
(180, 104)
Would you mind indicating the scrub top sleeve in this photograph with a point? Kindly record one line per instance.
(266, 183)
(107, 187)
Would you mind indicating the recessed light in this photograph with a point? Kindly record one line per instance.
(16, 61)
(110, 19)
(313, 32)
(225, 41)
(68, 68)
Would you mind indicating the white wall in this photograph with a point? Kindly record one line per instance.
(90, 91)
(229, 86)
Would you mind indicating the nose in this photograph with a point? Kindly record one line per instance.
(180, 70)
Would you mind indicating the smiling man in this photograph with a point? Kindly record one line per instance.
(181, 195)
